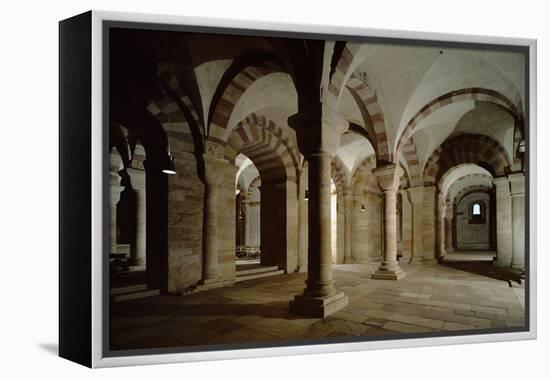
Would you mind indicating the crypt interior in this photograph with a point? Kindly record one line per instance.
(277, 189)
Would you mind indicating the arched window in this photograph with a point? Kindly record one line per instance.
(477, 212)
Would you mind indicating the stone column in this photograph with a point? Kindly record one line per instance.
(114, 190)
(302, 223)
(504, 222)
(138, 246)
(449, 229)
(279, 220)
(388, 179)
(348, 214)
(416, 196)
(246, 212)
(429, 228)
(440, 227)
(318, 133)
(213, 178)
(517, 189)
(406, 226)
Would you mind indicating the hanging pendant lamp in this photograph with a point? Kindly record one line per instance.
(170, 168)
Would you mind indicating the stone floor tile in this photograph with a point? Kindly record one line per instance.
(432, 298)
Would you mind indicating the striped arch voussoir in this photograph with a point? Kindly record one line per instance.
(466, 149)
(339, 174)
(413, 163)
(362, 177)
(469, 190)
(368, 103)
(466, 94)
(231, 95)
(173, 82)
(172, 120)
(337, 80)
(262, 141)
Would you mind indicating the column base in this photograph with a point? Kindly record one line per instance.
(212, 283)
(137, 268)
(387, 275)
(389, 270)
(416, 260)
(301, 269)
(318, 307)
(136, 262)
(502, 263)
(518, 265)
(349, 260)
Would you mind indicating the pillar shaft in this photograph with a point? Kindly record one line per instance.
(213, 178)
(517, 189)
(115, 189)
(211, 233)
(390, 227)
(138, 246)
(504, 222)
(319, 281)
(348, 213)
(406, 226)
(388, 178)
(115, 197)
(440, 228)
(416, 195)
(302, 223)
(318, 131)
(449, 229)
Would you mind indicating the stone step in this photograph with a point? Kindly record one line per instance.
(128, 289)
(259, 269)
(254, 276)
(135, 295)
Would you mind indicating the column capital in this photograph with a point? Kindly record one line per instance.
(501, 181)
(115, 194)
(115, 161)
(388, 177)
(449, 212)
(416, 194)
(214, 169)
(318, 129)
(441, 202)
(273, 185)
(517, 184)
(347, 195)
(137, 179)
(430, 189)
(115, 165)
(214, 149)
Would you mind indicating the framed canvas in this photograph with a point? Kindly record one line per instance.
(254, 189)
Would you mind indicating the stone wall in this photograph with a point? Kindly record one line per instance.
(406, 227)
(340, 230)
(279, 225)
(367, 228)
(226, 223)
(428, 222)
(253, 219)
(185, 223)
(473, 235)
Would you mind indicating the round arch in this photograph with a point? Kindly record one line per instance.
(465, 94)
(262, 142)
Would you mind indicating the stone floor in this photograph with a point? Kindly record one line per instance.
(432, 298)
